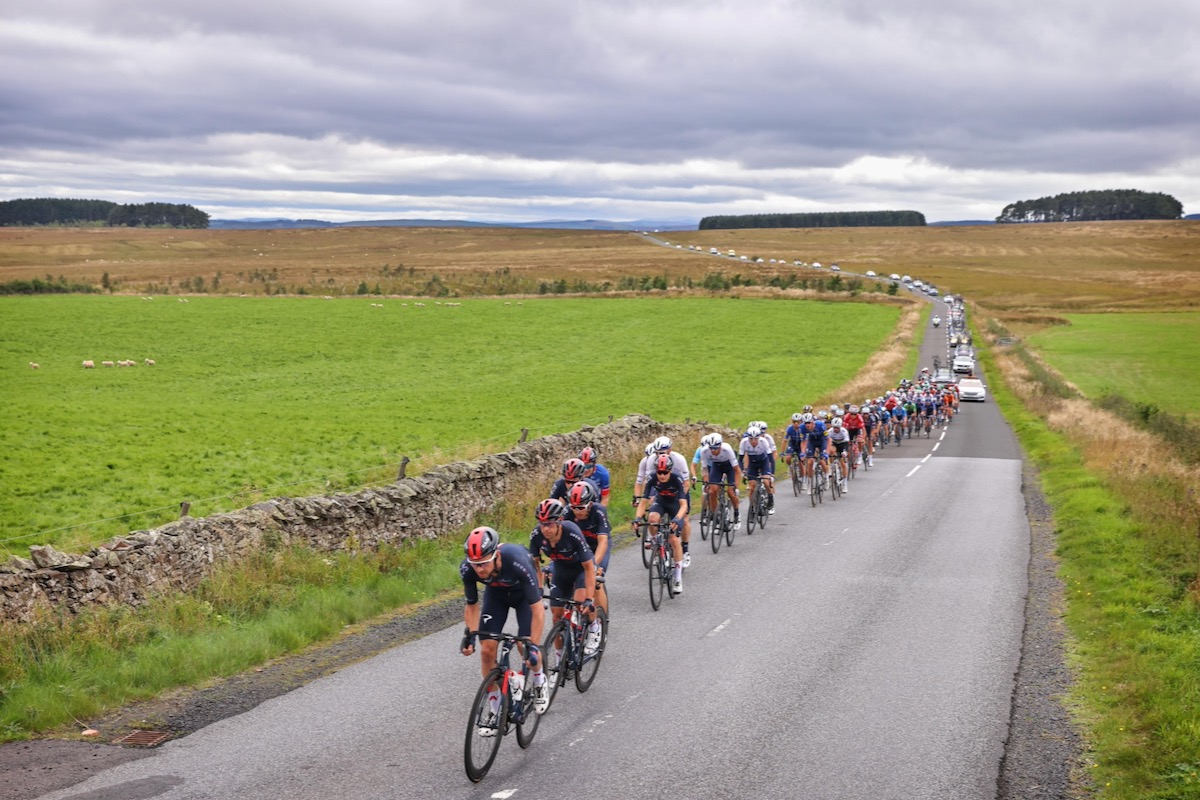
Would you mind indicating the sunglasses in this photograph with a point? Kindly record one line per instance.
(663, 472)
(579, 508)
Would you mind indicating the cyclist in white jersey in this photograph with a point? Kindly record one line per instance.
(754, 457)
(679, 467)
(719, 463)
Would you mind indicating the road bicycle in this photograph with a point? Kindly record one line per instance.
(487, 727)
(720, 521)
(756, 507)
(572, 658)
(796, 473)
(819, 481)
(928, 424)
(662, 563)
(855, 455)
(835, 476)
(643, 533)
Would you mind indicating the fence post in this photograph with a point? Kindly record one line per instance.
(403, 467)
(524, 435)
(184, 508)
(610, 417)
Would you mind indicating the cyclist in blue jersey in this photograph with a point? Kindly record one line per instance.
(816, 447)
(667, 494)
(573, 471)
(794, 440)
(510, 583)
(899, 418)
(596, 472)
(572, 565)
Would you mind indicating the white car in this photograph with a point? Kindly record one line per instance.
(906, 279)
(963, 364)
(816, 265)
(835, 268)
(871, 274)
(972, 389)
(894, 276)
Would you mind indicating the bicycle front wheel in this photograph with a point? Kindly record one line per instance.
(527, 727)
(720, 520)
(705, 523)
(591, 661)
(555, 666)
(645, 537)
(731, 527)
(484, 730)
(657, 569)
(795, 479)
(752, 512)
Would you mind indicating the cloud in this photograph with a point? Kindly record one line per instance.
(533, 107)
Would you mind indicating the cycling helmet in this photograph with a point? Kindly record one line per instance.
(853, 409)
(650, 449)
(823, 414)
(754, 431)
(807, 409)
(589, 456)
(550, 510)
(664, 463)
(837, 414)
(573, 469)
(762, 426)
(837, 422)
(582, 494)
(481, 545)
(662, 444)
(712, 440)
(808, 417)
(797, 417)
(834, 407)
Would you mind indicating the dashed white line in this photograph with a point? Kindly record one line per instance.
(719, 628)
(504, 795)
(936, 445)
(926, 458)
(911, 471)
(943, 436)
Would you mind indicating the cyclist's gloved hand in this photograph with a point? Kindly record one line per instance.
(468, 640)
(589, 606)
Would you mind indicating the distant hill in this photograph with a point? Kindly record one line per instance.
(570, 224)
(1192, 216)
(953, 222)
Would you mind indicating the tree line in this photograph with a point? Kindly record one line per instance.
(821, 219)
(65, 211)
(1095, 205)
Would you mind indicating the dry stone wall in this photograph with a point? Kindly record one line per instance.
(178, 556)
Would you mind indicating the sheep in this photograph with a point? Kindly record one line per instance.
(89, 364)
(107, 364)
(149, 362)
(34, 365)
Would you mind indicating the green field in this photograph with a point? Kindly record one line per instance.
(255, 397)
(1146, 358)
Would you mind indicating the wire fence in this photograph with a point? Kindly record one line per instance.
(393, 467)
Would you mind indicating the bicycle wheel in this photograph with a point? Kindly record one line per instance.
(646, 551)
(591, 662)
(731, 528)
(813, 484)
(554, 666)
(720, 520)
(835, 480)
(795, 473)
(657, 568)
(764, 510)
(480, 751)
(752, 510)
(527, 727)
(705, 523)
(822, 481)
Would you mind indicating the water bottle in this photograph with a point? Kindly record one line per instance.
(517, 685)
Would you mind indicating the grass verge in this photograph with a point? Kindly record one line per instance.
(1134, 624)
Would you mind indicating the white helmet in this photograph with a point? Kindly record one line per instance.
(662, 444)
(754, 431)
(712, 440)
(837, 422)
(797, 417)
(823, 414)
(650, 449)
(834, 407)
(808, 417)
(853, 409)
(837, 414)
(762, 425)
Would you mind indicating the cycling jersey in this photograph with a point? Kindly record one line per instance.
(562, 489)
(514, 586)
(645, 473)
(594, 526)
(600, 478)
(795, 437)
(719, 467)
(754, 457)
(567, 558)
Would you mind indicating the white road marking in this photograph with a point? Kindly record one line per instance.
(943, 436)
(834, 539)
(719, 628)
(911, 471)
(504, 795)
(936, 446)
(926, 458)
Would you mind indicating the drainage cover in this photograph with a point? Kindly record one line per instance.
(143, 739)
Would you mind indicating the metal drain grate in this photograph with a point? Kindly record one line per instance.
(143, 739)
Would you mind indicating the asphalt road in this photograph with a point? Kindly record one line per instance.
(865, 648)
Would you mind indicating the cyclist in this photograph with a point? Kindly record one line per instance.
(839, 438)
(856, 425)
(770, 477)
(510, 582)
(910, 412)
(754, 458)
(899, 420)
(667, 494)
(794, 439)
(595, 472)
(720, 463)
(573, 471)
(592, 518)
(927, 404)
(679, 466)
(572, 565)
(816, 445)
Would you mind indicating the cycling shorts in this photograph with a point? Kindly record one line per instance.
(565, 578)
(496, 604)
(811, 452)
(758, 466)
(668, 506)
(854, 433)
(841, 447)
(720, 471)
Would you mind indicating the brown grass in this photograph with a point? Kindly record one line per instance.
(1004, 268)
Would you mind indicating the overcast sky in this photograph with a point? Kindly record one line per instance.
(520, 110)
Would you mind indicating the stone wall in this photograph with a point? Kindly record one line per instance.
(178, 556)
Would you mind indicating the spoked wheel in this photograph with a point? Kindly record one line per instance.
(822, 479)
(645, 537)
(835, 483)
(657, 567)
(554, 666)
(814, 484)
(763, 510)
(479, 751)
(591, 661)
(730, 526)
(705, 522)
(795, 480)
(720, 520)
(527, 727)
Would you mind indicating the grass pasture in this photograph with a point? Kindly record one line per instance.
(1147, 358)
(256, 397)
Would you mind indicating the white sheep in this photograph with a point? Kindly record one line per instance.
(149, 362)
(34, 365)
(89, 364)
(107, 364)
